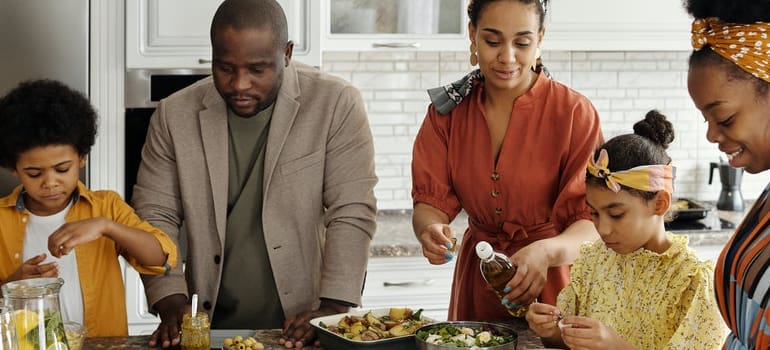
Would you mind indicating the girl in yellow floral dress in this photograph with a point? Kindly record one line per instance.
(639, 287)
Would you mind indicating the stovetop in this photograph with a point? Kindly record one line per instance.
(699, 225)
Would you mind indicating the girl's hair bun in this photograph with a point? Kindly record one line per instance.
(655, 127)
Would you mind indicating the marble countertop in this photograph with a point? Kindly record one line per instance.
(269, 338)
(394, 236)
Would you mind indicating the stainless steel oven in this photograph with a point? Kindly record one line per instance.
(144, 88)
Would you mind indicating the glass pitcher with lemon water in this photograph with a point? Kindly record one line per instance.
(36, 313)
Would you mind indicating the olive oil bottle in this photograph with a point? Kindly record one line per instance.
(497, 270)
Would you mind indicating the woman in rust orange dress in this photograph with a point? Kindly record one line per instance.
(509, 146)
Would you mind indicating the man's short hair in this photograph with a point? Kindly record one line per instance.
(252, 14)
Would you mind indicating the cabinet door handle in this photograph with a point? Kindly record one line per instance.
(397, 45)
(407, 283)
(204, 60)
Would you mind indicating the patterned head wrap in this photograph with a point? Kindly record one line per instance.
(651, 178)
(746, 45)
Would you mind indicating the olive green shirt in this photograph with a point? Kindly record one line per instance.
(248, 297)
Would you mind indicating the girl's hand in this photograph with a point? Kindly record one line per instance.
(33, 268)
(531, 272)
(75, 233)
(543, 319)
(436, 241)
(583, 333)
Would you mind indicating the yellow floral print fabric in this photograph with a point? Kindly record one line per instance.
(746, 45)
(654, 301)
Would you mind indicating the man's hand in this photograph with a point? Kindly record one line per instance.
(297, 331)
(171, 309)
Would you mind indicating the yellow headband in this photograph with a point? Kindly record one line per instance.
(651, 178)
(746, 45)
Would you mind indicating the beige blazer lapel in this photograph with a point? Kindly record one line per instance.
(213, 127)
(284, 113)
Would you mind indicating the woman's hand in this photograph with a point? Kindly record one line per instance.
(436, 241)
(583, 333)
(543, 320)
(531, 271)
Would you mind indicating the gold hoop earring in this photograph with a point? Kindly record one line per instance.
(537, 59)
(474, 59)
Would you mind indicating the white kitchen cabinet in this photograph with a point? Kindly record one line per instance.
(611, 25)
(408, 282)
(175, 33)
(140, 320)
(383, 25)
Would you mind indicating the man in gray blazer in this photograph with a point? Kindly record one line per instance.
(269, 166)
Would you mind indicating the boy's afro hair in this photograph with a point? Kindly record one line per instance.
(42, 113)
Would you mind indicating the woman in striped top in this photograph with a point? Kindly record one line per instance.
(730, 85)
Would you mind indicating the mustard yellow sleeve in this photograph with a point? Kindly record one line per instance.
(124, 214)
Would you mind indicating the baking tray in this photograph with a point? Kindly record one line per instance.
(695, 210)
(333, 341)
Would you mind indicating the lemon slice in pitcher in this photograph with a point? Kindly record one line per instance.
(25, 321)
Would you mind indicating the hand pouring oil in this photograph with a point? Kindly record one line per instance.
(497, 270)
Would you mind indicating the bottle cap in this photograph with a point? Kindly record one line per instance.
(484, 250)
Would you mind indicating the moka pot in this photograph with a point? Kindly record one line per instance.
(730, 198)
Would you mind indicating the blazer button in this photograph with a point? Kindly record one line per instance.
(495, 176)
(498, 211)
(217, 259)
(207, 305)
(495, 193)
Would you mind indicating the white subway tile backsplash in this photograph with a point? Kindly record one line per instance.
(384, 106)
(422, 67)
(386, 81)
(605, 56)
(427, 56)
(392, 119)
(401, 95)
(651, 79)
(339, 56)
(593, 79)
(622, 86)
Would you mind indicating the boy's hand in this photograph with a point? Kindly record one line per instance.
(75, 233)
(33, 268)
(587, 334)
(543, 319)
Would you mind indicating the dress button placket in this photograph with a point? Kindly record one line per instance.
(496, 193)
